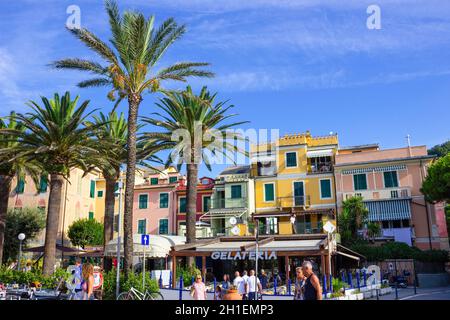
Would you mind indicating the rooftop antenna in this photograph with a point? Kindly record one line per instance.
(408, 139)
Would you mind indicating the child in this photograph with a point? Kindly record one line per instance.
(218, 293)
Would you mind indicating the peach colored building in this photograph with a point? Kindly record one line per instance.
(389, 182)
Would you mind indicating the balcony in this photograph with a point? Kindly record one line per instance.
(323, 167)
(380, 194)
(229, 203)
(294, 201)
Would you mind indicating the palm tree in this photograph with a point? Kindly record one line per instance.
(56, 138)
(197, 119)
(10, 169)
(353, 217)
(137, 48)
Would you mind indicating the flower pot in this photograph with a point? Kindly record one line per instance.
(232, 295)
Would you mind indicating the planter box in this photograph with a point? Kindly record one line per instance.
(343, 298)
(360, 296)
(352, 297)
(367, 294)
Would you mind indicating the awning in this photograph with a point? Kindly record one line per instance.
(319, 153)
(281, 245)
(159, 246)
(349, 253)
(389, 210)
(58, 248)
(223, 213)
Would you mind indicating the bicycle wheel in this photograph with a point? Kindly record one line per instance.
(125, 296)
(154, 296)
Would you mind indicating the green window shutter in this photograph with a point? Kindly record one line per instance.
(325, 188)
(163, 226)
(153, 181)
(143, 200)
(206, 204)
(43, 184)
(116, 187)
(360, 182)
(20, 186)
(100, 193)
(173, 179)
(291, 159)
(92, 191)
(390, 179)
(142, 226)
(163, 200)
(182, 205)
(236, 192)
(269, 192)
(91, 215)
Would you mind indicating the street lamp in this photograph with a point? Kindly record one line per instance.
(21, 237)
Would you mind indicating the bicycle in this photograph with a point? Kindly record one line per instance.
(134, 294)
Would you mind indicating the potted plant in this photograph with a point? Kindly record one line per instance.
(232, 294)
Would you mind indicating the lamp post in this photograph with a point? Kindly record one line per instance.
(21, 237)
(118, 238)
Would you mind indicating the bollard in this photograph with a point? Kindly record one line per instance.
(357, 280)
(289, 287)
(275, 286)
(396, 289)
(215, 285)
(415, 287)
(350, 282)
(324, 285)
(160, 282)
(378, 296)
(181, 288)
(365, 278)
(343, 276)
(331, 283)
(193, 280)
(170, 280)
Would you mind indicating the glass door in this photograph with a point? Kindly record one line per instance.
(299, 193)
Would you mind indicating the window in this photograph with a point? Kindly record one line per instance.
(116, 187)
(291, 159)
(100, 193)
(206, 203)
(43, 184)
(92, 191)
(385, 224)
(396, 224)
(91, 215)
(236, 192)
(182, 205)
(143, 201)
(20, 186)
(405, 223)
(142, 226)
(390, 179)
(360, 182)
(163, 200)
(164, 226)
(325, 189)
(153, 181)
(269, 192)
(173, 179)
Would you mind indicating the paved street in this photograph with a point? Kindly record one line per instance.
(442, 293)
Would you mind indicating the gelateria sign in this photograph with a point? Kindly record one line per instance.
(237, 255)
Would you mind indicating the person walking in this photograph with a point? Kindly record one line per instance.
(239, 283)
(88, 281)
(198, 289)
(245, 277)
(299, 284)
(263, 279)
(254, 286)
(312, 288)
(226, 283)
(77, 279)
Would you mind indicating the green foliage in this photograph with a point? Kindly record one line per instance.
(436, 186)
(86, 232)
(29, 221)
(187, 273)
(338, 285)
(8, 276)
(440, 150)
(134, 280)
(353, 217)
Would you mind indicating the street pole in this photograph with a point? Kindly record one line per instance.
(256, 257)
(21, 237)
(143, 272)
(118, 240)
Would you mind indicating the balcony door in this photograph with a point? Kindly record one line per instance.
(299, 193)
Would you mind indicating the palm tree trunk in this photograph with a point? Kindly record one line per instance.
(5, 188)
(133, 105)
(108, 220)
(191, 207)
(51, 229)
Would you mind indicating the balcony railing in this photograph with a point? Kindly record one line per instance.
(325, 167)
(294, 201)
(229, 203)
(380, 194)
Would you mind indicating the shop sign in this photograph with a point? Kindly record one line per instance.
(237, 255)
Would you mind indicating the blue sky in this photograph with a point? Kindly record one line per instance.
(291, 65)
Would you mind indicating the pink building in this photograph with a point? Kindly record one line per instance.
(389, 182)
(154, 203)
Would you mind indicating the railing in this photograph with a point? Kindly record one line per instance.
(325, 167)
(267, 171)
(380, 194)
(294, 201)
(229, 203)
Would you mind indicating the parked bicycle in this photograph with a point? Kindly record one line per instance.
(134, 294)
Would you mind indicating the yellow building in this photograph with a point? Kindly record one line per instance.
(294, 178)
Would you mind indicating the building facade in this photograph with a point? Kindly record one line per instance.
(389, 182)
(294, 178)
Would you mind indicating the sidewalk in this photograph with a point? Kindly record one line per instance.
(441, 293)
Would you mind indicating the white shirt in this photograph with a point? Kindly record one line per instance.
(252, 280)
(239, 282)
(292, 220)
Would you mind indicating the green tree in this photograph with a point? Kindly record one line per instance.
(56, 138)
(373, 229)
(86, 232)
(29, 221)
(440, 150)
(353, 217)
(11, 166)
(436, 186)
(199, 122)
(129, 70)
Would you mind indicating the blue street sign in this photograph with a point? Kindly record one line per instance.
(145, 239)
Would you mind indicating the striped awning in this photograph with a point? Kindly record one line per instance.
(319, 153)
(376, 169)
(388, 210)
